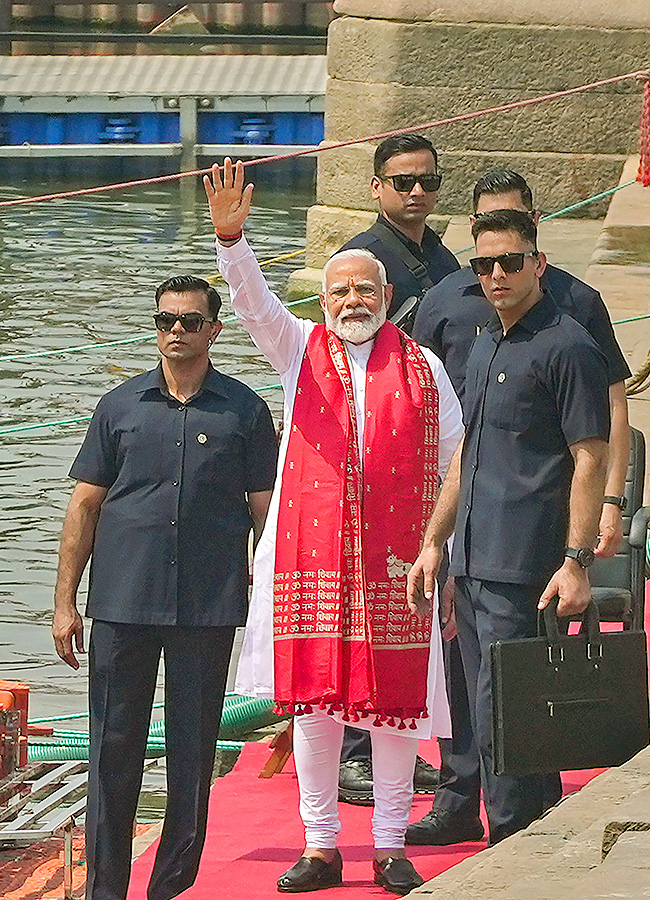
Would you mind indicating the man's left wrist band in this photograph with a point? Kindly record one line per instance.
(229, 237)
(621, 502)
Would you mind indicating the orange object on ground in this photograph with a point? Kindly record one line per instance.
(14, 696)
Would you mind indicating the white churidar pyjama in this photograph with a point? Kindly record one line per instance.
(317, 751)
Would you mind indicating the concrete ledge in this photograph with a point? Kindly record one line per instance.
(328, 228)
(631, 849)
(625, 238)
(620, 270)
(305, 283)
(595, 14)
(632, 816)
(624, 875)
(554, 855)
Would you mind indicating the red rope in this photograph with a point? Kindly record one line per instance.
(335, 146)
(644, 138)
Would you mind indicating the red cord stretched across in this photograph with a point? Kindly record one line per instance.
(334, 146)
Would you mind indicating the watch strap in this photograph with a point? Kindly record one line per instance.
(621, 502)
(584, 556)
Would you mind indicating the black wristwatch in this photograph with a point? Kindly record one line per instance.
(621, 502)
(583, 556)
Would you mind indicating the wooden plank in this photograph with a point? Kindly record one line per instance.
(46, 805)
(282, 745)
(44, 830)
(56, 774)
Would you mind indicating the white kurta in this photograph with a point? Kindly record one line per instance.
(282, 338)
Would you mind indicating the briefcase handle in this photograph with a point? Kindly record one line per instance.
(547, 626)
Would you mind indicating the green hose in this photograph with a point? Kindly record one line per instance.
(38, 751)
(240, 716)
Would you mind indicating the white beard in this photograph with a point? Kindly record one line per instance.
(357, 332)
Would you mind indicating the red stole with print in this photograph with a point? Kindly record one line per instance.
(344, 638)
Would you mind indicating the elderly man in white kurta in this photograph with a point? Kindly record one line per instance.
(370, 424)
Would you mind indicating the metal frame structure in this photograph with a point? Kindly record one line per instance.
(45, 810)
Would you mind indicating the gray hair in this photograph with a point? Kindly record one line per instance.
(355, 253)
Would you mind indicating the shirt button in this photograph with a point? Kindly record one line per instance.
(467, 506)
(181, 408)
(179, 443)
(172, 562)
(175, 483)
(172, 521)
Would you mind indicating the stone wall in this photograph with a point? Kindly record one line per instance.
(395, 63)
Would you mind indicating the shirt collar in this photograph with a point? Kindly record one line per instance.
(543, 314)
(155, 380)
(429, 235)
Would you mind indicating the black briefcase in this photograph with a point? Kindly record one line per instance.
(568, 702)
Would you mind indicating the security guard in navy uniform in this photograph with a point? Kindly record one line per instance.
(405, 183)
(449, 318)
(177, 466)
(524, 492)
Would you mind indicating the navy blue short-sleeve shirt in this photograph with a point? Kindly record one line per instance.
(432, 253)
(453, 312)
(529, 395)
(171, 543)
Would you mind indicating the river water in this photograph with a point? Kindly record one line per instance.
(82, 271)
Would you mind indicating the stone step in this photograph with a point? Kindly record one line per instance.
(623, 875)
(625, 238)
(558, 850)
(631, 849)
(620, 270)
(634, 815)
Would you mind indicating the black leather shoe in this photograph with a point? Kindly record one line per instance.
(311, 873)
(397, 875)
(355, 782)
(426, 778)
(443, 826)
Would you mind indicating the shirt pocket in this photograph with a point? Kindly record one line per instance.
(142, 455)
(511, 401)
(218, 459)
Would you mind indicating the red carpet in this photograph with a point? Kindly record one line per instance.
(255, 833)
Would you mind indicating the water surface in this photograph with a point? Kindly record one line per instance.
(75, 272)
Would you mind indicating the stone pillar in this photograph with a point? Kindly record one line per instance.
(395, 63)
(6, 23)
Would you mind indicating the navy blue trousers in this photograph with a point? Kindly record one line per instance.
(123, 663)
(489, 611)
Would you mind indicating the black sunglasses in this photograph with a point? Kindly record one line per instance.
(193, 322)
(405, 183)
(508, 262)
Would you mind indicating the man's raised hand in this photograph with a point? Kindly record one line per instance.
(229, 200)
